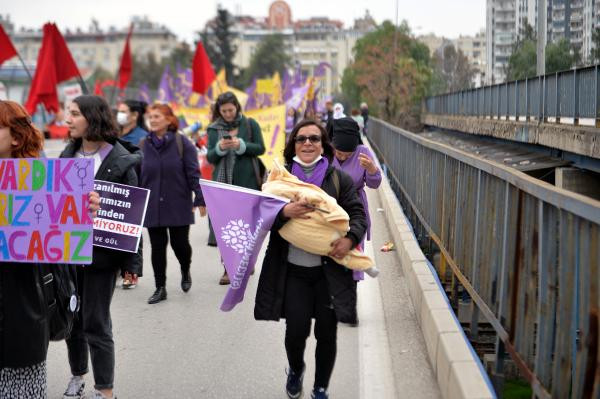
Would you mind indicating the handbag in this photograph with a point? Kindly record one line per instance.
(260, 170)
(60, 286)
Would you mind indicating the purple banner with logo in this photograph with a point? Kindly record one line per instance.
(241, 218)
(119, 221)
(43, 210)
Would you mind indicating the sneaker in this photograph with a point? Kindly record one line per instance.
(293, 387)
(127, 280)
(224, 279)
(75, 388)
(134, 281)
(319, 393)
(99, 395)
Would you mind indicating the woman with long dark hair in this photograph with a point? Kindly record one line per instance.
(300, 286)
(234, 143)
(24, 308)
(170, 171)
(93, 135)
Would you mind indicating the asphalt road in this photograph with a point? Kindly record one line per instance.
(185, 347)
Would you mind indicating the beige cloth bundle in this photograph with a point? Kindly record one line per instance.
(315, 234)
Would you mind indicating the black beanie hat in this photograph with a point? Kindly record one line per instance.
(346, 134)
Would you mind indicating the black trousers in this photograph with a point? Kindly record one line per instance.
(307, 297)
(92, 330)
(180, 242)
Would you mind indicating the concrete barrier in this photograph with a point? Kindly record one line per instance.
(459, 372)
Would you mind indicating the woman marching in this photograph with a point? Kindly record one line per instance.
(170, 171)
(94, 136)
(356, 159)
(234, 141)
(300, 286)
(24, 308)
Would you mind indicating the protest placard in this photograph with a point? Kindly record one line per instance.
(44, 213)
(121, 216)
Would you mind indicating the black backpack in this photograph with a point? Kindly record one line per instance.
(60, 287)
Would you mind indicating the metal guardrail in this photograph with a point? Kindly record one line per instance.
(526, 252)
(571, 94)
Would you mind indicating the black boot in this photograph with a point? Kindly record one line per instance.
(159, 295)
(186, 281)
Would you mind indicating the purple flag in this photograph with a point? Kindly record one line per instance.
(320, 69)
(298, 96)
(144, 94)
(241, 218)
(183, 85)
(166, 87)
(286, 85)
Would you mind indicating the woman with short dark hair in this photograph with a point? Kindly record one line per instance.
(300, 286)
(94, 135)
(234, 143)
(130, 117)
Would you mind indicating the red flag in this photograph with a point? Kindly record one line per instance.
(126, 63)
(7, 50)
(203, 73)
(54, 65)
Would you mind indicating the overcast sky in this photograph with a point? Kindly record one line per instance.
(448, 18)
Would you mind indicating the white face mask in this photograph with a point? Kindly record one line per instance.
(122, 118)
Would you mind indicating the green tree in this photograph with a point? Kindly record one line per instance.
(522, 61)
(217, 39)
(452, 71)
(270, 57)
(391, 71)
(146, 69)
(559, 56)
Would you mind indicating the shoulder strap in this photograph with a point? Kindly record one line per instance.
(249, 129)
(179, 142)
(141, 143)
(336, 182)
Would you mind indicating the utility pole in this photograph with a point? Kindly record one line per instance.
(542, 19)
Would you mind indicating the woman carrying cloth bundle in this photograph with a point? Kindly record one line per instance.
(299, 285)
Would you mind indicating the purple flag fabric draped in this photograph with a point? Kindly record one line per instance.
(166, 87)
(144, 94)
(241, 218)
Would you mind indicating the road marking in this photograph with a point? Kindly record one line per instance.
(376, 376)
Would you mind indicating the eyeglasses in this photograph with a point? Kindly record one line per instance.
(312, 139)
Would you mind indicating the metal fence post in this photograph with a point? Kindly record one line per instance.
(526, 99)
(556, 117)
(575, 97)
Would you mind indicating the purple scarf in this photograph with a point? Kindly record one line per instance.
(159, 142)
(316, 177)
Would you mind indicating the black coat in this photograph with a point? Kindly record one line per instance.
(342, 288)
(24, 333)
(119, 166)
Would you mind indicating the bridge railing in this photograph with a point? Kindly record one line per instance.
(569, 96)
(526, 252)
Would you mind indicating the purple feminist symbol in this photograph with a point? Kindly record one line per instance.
(38, 209)
(82, 171)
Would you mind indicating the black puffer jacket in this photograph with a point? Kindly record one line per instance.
(342, 288)
(119, 166)
(23, 315)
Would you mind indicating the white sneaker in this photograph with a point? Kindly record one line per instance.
(99, 395)
(372, 271)
(75, 388)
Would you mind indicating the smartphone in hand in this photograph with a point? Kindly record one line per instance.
(227, 137)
